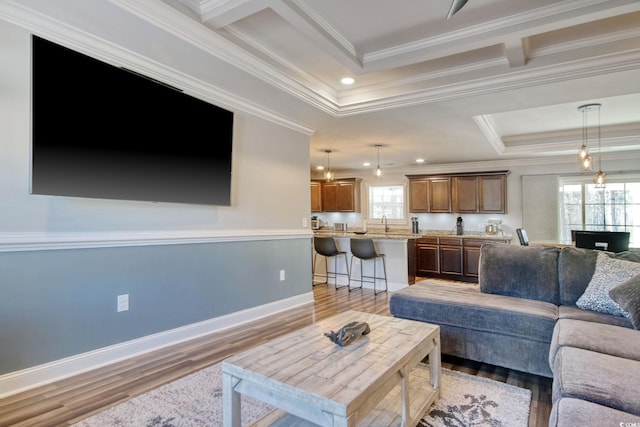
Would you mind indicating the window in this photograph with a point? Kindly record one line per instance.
(613, 208)
(388, 201)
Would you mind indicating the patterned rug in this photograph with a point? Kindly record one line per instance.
(196, 400)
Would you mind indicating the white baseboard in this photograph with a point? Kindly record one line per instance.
(29, 378)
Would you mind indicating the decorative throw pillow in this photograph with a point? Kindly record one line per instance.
(627, 295)
(608, 274)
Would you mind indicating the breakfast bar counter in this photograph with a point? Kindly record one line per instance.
(430, 253)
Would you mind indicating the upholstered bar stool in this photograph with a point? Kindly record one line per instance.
(364, 250)
(326, 246)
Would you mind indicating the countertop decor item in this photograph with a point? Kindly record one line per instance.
(348, 333)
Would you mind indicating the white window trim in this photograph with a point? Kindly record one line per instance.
(374, 221)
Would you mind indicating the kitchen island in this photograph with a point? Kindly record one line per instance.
(431, 253)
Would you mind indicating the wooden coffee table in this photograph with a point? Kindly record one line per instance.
(375, 381)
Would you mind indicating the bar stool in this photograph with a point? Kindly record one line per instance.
(364, 250)
(326, 246)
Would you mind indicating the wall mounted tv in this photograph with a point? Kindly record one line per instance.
(104, 132)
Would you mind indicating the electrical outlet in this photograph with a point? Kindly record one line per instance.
(123, 302)
(281, 275)
(304, 222)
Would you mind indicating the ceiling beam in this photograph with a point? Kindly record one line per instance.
(516, 51)
(218, 14)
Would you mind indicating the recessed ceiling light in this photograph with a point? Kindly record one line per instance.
(347, 80)
(366, 164)
(320, 168)
(420, 160)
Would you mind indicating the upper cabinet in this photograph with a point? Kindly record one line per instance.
(341, 195)
(430, 195)
(478, 192)
(316, 196)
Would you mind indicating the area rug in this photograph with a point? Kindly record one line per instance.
(196, 400)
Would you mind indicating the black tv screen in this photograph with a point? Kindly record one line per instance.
(101, 131)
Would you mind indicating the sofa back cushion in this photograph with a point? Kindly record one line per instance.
(520, 271)
(575, 269)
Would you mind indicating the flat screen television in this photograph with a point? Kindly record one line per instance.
(101, 131)
(611, 241)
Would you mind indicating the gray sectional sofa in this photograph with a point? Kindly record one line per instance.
(547, 311)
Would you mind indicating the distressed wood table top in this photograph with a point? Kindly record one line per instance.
(307, 376)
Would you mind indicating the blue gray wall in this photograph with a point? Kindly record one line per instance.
(58, 303)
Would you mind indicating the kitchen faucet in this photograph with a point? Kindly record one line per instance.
(386, 226)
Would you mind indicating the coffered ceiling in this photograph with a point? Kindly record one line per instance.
(500, 79)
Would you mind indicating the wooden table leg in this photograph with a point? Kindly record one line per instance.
(230, 402)
(435, 365)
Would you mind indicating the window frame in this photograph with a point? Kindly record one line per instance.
(607, 208)
(405, 216)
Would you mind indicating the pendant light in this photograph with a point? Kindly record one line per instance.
(601, 178)
(586, 162)
(328, 175)
(378, 168)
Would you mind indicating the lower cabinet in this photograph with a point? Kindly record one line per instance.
(449, 257)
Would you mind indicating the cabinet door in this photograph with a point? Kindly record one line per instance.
(471, 261)
(451, 260)
(346, 202)
(330, 197)
(419, 195)
(316, 197)
(465, 194)
(493, 194)
(427, 259)
(440, 195)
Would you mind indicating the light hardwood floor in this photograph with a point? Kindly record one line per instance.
(68, 401)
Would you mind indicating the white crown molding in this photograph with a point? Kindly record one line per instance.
(487, 126)
(16, 382)
(38, 241)
(514, 79)
(115, 55)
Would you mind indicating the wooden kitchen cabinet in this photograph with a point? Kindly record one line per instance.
(477, 192)
(493, 194)
(316, 196)
(341, 195)
(430, 195)
(465, 194)
(428, 260)
(450, 257)
(450, 251)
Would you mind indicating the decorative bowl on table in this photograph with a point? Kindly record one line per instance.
(360, 232)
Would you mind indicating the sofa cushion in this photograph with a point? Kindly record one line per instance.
(627, 295)
(599, 337)
(575, 269)
(609, 272)
(569, 412)
(520, 271)
(600, 378)
(463, 305)
(573, 312)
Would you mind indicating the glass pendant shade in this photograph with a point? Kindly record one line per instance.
(328, 175)
(586, 163)
(583, 153)
(378, 168)
(600, 180)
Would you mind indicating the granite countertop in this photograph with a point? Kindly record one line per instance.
(402, 234)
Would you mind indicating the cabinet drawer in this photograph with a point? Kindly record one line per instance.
(475, 243)
(427, 241)
(450, 241)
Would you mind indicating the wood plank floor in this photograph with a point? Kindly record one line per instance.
(68, 401)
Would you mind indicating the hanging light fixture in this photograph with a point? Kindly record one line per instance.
(601, 178)
(586, 162)
(378, 168)
(328, 175)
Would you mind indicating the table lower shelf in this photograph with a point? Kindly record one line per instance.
(388, 413)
